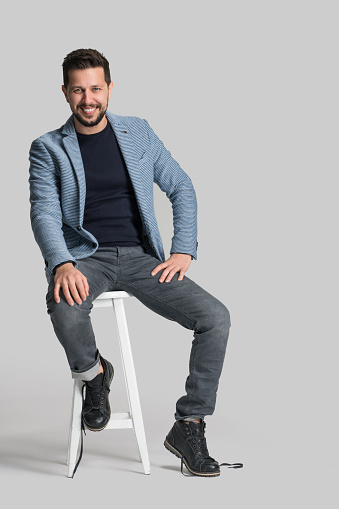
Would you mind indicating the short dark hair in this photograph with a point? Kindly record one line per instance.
(85, 59)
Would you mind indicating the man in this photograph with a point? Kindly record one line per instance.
(93, 218)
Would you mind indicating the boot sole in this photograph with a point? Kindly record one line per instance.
(174, 451)
(100, 429)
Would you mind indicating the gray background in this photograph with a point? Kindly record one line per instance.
(244, 94)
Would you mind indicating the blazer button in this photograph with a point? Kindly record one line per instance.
(79, 228)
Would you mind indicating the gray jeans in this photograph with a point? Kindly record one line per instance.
(129, 269)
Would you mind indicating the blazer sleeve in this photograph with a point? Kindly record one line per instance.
(46, 215)
(172, 179)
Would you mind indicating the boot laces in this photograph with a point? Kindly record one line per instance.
(199, 445)
(96, 395)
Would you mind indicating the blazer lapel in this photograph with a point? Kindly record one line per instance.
(126, 145)
(72, 148)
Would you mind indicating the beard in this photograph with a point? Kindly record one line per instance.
(91, 123)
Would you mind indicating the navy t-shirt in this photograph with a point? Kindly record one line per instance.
(111, 210)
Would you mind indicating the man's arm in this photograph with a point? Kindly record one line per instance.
(171, 179)
(46, 220)
(46, 215)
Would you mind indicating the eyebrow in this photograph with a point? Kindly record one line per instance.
(79, 86)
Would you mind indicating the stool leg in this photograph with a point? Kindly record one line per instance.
(75, 427)
(131, 383)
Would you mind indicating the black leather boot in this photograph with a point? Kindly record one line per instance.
(96, 410)
(188, 442)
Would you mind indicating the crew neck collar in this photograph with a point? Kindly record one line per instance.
(82, 135)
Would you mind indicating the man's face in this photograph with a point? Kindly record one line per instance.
(88, 94)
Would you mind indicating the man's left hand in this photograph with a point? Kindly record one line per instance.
(177, 262)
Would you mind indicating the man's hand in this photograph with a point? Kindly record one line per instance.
(73, 283)
(177, 262)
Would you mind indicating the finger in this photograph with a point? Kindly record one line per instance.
(56, 292)
(85, 284)
(87, 287)
(164, 275)
(158, 268)
(67, 294)
(75, 293)
(171, 275)
(181, 275)
(81, 289)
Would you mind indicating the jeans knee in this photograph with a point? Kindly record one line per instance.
(222, 315)
(216, 315)
(65, 317)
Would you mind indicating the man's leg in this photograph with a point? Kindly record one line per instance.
(72, 325)
(194, 308)
(191, 306)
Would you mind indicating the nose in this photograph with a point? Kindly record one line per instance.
(86, 96)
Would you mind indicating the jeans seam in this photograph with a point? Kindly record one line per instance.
(159, 300)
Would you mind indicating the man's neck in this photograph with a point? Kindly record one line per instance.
(90, 130)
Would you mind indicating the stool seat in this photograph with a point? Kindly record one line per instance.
(104, 299)
(132, 419)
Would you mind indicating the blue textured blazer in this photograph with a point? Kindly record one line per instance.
(58, 191)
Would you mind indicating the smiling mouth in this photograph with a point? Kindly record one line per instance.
(88, 110)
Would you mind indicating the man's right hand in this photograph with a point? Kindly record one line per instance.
(73, 283)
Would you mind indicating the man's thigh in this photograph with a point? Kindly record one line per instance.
(100, 269)
(183, 301)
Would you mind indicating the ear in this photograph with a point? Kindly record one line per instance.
(110, 89)
(63, 88)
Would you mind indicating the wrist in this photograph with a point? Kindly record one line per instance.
(186, 254)
(61, 264)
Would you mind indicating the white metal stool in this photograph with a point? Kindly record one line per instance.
(133, 418)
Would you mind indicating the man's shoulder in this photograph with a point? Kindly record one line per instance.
(51, 137)
(127, 120)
